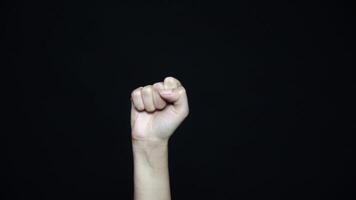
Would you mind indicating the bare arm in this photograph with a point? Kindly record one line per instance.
(157, 110)
(151, 176)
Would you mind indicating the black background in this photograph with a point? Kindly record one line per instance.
(269, 84)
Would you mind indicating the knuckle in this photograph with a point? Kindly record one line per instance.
(135, 93)
(157, 85)
(147, 89)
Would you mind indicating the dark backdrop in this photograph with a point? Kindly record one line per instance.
(269, 83)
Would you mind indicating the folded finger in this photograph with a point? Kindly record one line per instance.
(147, 98)
(137, 99)
(157, 99)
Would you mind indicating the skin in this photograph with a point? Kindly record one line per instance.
(156, 112)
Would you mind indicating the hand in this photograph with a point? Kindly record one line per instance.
(156, 111)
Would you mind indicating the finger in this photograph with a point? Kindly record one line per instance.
(158, 86)
(157, 99)
(147, 98)
(171, 83)
(134, 113)
(137, 99)
(178, 97)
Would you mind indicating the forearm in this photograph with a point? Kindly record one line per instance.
(151, 175)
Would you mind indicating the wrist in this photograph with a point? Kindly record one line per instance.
(150, 155)
(149, 142)
(149, 146)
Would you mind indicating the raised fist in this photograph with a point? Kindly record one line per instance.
(157, 110)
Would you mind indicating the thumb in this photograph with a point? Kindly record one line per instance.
(178, 97)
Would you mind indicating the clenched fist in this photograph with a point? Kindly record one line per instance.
(157, 110)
